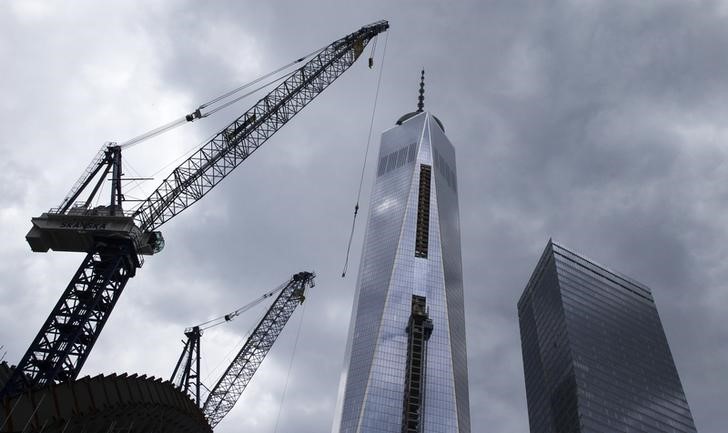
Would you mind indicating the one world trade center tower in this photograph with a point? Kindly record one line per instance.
(406, 367)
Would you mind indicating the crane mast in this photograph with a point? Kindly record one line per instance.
(231, 385)
(114, 240)
(186, 374)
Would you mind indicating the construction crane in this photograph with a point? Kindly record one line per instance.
(228, 389)
(186, 371)
(115, 240)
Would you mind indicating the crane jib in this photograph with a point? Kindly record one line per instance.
(235, 379)
(196, 176)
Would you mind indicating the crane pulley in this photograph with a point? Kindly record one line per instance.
(114, 239)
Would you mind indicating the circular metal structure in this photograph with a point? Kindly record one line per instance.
(118, 403)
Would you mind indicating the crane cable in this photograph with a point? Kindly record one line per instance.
(257, 80)
(198, 114)
(230, 316)
(290, 365)
(197, 146)
(263, 86)
(230, 355)
(366, 155)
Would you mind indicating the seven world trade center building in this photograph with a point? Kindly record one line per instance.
(406, 368)
(595, 356)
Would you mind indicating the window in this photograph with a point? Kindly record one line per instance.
(412, 152)
(382, 166)
(401, 157)
(392, 161)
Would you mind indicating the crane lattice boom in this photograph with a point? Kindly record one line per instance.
(228, 389)
(196, 176)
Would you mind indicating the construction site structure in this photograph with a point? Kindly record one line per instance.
(187, 371)
(114, 240)
(113, 403)
(419, 330)
(230, 386)
(186, 374)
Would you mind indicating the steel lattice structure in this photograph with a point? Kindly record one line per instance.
(228, 389)
(196, 176)
(114, 240)
(186, 374)
(61, 347)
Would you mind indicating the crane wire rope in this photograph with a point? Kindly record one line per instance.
(228, 357)
(101, 192)
(196, 147)
(198, 114)
(245, 86)
(135, 183)
(183, 120)
(290, 366)
(230, 316)
(366, 155)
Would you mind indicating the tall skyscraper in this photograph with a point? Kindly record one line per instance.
(595, 356)
(406, 367)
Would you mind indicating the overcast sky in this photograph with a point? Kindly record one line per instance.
(598, 123)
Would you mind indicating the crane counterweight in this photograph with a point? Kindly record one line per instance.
(80, 230)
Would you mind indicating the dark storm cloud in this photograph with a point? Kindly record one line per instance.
(597, 156)
(599, 123)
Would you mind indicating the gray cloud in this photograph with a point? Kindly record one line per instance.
(598, 123)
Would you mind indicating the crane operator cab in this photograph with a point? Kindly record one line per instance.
(78, 226)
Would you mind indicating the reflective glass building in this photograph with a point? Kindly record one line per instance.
(406, 367)
(595, 356)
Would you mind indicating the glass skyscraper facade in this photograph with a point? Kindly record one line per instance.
(595, 356)
(405, 358)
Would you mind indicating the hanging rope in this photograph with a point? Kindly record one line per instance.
(230, 316)
(198, 114)
(245, 86)
(366, 155)
(290, 366)
(231, 102)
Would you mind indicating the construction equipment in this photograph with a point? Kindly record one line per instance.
(228, 389)
(419, 330)
(115, 240)
(186, 373)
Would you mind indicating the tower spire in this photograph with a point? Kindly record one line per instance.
(421, 98)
